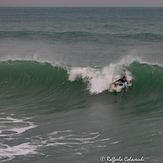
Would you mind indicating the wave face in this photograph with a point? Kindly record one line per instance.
(66, 85)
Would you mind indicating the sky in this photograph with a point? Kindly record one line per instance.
(81, 3)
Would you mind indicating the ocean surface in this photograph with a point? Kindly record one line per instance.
(57, 104)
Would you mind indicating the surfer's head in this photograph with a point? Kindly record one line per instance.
(124, 78)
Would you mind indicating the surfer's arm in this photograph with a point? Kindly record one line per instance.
(117, 81)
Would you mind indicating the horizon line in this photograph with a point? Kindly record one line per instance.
(81, 6)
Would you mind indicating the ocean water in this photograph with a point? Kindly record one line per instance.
(57, 104)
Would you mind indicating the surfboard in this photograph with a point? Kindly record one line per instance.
(114, 87)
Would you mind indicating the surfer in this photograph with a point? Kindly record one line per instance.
(120, 82)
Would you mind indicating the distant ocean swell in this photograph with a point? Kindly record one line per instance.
(79, 35)
(46, 35)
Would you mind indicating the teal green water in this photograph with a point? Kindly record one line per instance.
(57, 101)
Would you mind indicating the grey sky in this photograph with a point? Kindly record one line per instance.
(83, 3)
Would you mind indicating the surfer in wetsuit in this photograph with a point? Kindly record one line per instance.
(120, 82)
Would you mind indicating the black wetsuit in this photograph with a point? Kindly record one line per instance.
(120, 82)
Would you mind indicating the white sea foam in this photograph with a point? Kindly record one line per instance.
(78, 143)
(21, 149)
(69, 138)
(99, 79)
(22, 125)
(11, 130)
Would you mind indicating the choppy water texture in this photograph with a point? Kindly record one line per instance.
(56, 69)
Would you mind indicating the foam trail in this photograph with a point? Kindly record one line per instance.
(21, 149)
(11, 131)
